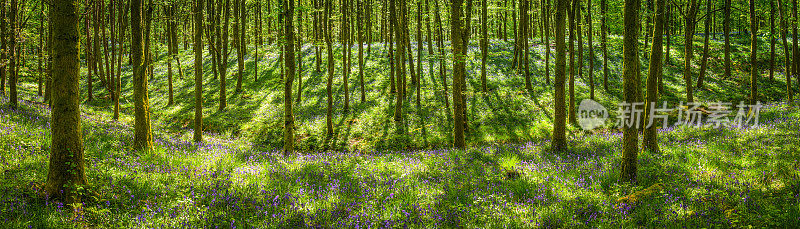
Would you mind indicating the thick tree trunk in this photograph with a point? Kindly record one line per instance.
(459, 72)
(559, 142)
(630, 73)
(67, 166)
(143, 139)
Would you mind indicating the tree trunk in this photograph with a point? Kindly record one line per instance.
(704, 60)
(726, 29)
(3, 46)
(329, 85)
(12, 61)
(559, 123)
(572, 28)
(650, 141)
(198, 70)
(546, 31)
(591, 47)
(360, 23)
(691, 13)
(604, 40)
(240, 42)
(395, 16)
(442, 59)
(459, 72)
(630, 73)
(89, 60)
(143, 139)
(753, 52)
(67, 166)
(344, 36)
(288, 118)
(772, 41)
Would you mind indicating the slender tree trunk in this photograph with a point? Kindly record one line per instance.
(650, 141)
(784, 30)
(546, 31)
(288, 119)
(559, 142)
(12, 49)
(572, 27)
(360, 23)
(630, 73)
(704, 60)
(442, 58)
(3, 46)
(329, 85)
(89, 60)
(40, 76)
(772, 41)
(198, 70)
(484, 43)
(395, 18)
(241, 43)
(796, 50)
(726, 29)
(753, 52)
(344, 35)
(691, 13)
(591, 47)
(67, 166)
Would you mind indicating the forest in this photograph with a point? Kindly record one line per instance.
(399, 114)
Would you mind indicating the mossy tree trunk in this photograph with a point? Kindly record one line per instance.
(143, 139)
(288, 119)
(559, 142)
(655, 71)
(66, 172)
(12, 50)
(753, 53)
(630, 74)
(198, 70)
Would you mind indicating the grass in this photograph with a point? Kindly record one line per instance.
(373, 173)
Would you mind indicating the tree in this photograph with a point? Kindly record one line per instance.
(329, 50)
(559, 142)
(198, 70)
(484, 43)
(796, 50)
(726, 29)
(546, 22)
(3, 44)
(66, 172)
(655, 70)
(12, 49)
(753, 51)
(143, 139)
(89, 60)
(691, 13)
(589, 36)
(604, 40)
(240, 42)
(630, 74)
(459, 71)
(772, 40)
(704, 60)
(784, 29)
(571, 103)
(288, 118)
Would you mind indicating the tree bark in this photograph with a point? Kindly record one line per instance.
(67, 166)
(198, 70)
(704, 60)
(753, 52)
(650, 141)
(559, 142)
(630, 73)
(288, 119)
(691, 13)
(726, 29)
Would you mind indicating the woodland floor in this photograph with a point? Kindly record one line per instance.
(373, 173)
